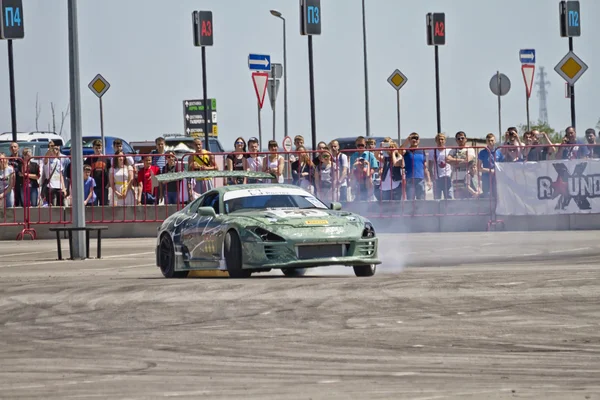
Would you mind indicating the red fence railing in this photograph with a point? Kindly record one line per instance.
(378, 183)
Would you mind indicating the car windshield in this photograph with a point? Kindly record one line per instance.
(87, 143)
(271, 201)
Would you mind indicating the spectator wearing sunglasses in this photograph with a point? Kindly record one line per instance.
(237, 161)
(415, 168)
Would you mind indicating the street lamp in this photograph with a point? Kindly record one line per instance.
(364, 26)
(277, 14)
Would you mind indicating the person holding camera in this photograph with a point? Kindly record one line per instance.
(533, 151)
(391, 172)
(512, 149)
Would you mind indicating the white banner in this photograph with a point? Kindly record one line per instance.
(548, 187)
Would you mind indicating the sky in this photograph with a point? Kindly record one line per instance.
(145, 50)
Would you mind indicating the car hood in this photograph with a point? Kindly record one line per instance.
(300, 218)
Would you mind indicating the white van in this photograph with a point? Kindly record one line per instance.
(36, 136)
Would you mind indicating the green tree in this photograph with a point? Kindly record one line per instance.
(555, 136)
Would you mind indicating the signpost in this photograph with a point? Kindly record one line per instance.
(287, 144)
(436, 36)
(310, 24)
(203, 30)
(397, 79)
(99, 86)
(570, 26)
(259, 62)
(273, 89)
(527, 57)
(500, 86)
(193, 118)
(260, 80)
(12, 27)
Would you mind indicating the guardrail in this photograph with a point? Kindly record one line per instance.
(382, 183)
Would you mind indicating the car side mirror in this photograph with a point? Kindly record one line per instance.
(206, 212)
(335, 206)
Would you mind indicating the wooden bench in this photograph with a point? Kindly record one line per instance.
(87, 229)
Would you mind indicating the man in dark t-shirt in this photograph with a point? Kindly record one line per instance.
(100, 165)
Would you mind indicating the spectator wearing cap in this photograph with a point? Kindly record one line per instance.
(575, 148)
(416, 172)
(363, 164)
(441, 169)
(590, 136)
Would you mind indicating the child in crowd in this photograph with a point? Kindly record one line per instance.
(89, 184)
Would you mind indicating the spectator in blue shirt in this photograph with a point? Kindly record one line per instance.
(415, 169)
(577, 151)
(487, 165)
(363, 165)
(88, 186)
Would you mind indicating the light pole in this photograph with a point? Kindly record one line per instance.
(277, 14)
(367, 118)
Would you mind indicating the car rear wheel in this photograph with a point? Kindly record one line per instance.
(293, 272)
(167, 259)
(233, 256)
(365, 270)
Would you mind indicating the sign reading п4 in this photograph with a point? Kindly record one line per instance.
(571, 68)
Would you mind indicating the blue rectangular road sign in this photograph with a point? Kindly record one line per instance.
(259, 62)
(527, 56)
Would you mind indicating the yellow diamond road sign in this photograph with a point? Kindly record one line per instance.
(99, 85)
(571, 68)
(397, 79)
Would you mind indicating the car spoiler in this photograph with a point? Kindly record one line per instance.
(175, 176)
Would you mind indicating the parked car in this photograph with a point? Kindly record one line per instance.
(38, 149)
(34, 136)
(88, 147)
(347, 143)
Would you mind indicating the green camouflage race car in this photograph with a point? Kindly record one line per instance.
(250, 228)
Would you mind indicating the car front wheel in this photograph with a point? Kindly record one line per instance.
(233, 256)
(365, 270)
(167, 259)
(293, 272)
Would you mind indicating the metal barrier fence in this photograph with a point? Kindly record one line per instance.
(376, 182)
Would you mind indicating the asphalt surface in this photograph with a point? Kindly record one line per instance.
(447, 316)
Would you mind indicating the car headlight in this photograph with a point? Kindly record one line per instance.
(368, 231)
(266, 236)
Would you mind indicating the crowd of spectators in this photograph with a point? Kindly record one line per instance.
(392, 172)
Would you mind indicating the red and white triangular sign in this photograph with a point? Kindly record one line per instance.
(528, 73)
(260, 80)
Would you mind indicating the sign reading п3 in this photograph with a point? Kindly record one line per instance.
(548, 187)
